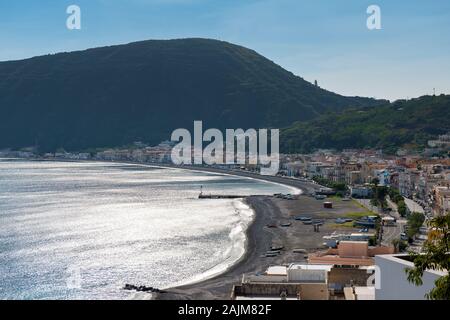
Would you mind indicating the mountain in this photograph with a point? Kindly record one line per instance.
(399, 124)
(142, 91)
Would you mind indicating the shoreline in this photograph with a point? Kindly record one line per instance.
(306, 187)
(257, 237)
(219, 286)
(204, 276)
(257, 240)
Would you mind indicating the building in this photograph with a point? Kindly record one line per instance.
(349, 253)
(354, 177)
(293, 169)
(359, 293)
(294, 282)
(383, 177)
(443, 142)
(360, 191)
(408, 182)
(333, 239)
(314, 169)
(370, 170)
(441, 199)
(391, 279)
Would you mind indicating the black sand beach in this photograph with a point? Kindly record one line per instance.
(268, 211)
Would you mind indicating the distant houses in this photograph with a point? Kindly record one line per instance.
(423, 179)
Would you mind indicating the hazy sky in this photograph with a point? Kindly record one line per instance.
(318, 39)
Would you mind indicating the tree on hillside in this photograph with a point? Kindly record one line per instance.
(415, 221)
(435, 256)
(379, 196)
(395, 196)
(401, 208)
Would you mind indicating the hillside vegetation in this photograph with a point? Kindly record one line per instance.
(142, 91)
(400, 124)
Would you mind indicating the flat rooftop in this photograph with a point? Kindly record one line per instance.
(405, 259)
(324, 267)
(277, 270)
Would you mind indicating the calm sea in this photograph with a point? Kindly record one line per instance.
(73, 230)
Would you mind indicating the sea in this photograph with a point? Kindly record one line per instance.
(82, 230)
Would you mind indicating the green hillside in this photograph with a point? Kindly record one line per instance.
(399, 124)
(142, 91)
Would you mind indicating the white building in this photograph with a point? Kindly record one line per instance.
(308, 273)
(360, 191)
(391, 279)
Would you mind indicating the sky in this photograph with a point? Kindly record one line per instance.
(323, 40)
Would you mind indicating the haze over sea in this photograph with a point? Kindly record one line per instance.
(113, 224)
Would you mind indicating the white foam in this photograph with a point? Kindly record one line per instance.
(237, 249)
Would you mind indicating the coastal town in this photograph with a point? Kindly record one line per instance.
(347, 236)
(422, 178)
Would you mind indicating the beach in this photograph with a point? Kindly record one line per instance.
(273, 211)
(271, 224)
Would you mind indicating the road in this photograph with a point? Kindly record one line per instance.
(366, 203)
(390, 233)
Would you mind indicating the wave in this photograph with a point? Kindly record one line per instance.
(235, 252)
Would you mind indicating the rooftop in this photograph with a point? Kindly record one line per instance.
(277, 270)
(405, 259)
(303, 266)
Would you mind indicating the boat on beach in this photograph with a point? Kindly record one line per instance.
(302, 218)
